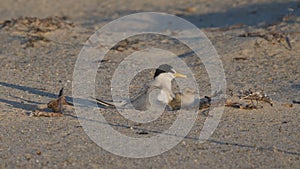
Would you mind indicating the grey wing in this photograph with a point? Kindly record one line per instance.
(141, 100)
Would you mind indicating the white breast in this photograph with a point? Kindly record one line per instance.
(164, 97)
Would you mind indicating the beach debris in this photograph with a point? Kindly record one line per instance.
(56, 106)
(257, 96)
(241, 101)
(296, 101)
(142, 132)
(270, 36)
(205, 102)
(287, 105)
(237, 102)
(239, 105)
(240, 58)
(287, 39)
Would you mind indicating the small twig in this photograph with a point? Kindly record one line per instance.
(288, 42)
(296, 102)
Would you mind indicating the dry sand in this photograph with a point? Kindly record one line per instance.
(35, 64)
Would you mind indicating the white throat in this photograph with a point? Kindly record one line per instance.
(164, 82)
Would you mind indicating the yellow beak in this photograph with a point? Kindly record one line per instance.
(180, 75)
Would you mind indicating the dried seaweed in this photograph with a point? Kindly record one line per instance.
(56, 106)
(257, 96)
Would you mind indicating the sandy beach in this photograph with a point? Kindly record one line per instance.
(258, 42)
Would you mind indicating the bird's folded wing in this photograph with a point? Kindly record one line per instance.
(139, 101)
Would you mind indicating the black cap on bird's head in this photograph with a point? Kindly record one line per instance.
(165, 68)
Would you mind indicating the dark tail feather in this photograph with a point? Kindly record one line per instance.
(103, 103)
